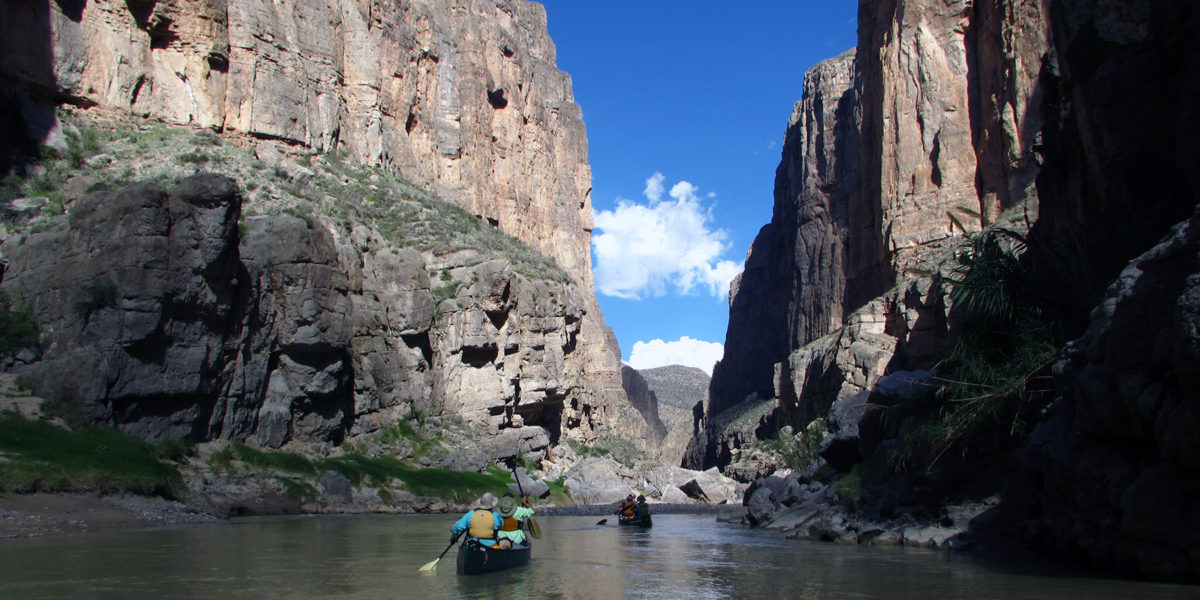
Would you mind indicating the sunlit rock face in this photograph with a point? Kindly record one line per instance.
(462, 98)
(161, 315)
(922, 133)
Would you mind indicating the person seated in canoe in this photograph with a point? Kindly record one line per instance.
(641, 509)
(514, 517)
(626, 508)
(481, 523)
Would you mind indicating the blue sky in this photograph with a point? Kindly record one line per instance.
(685, 104)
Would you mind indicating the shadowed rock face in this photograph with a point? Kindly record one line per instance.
(1114, 470)
(461, 98)
(644, 400)
(925, 131)
(962, 105)
(165, 318)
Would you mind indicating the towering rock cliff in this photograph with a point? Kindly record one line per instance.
(948, 115)
(927, 129)
(1115, 469)
(461, 98)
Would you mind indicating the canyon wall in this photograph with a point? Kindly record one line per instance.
(1114, 470)
(1070, 119)
(167, 313)
(926, 131)
(460, 97)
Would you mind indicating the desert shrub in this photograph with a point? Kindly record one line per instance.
(66, 405)
(848, 490)
(273, 460)
(995, 376)
(192, 158)
(93, 297)
(797, 452)
(558, 492)
(18, 330)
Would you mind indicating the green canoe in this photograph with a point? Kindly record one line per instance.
(474, 557)
(643, 521)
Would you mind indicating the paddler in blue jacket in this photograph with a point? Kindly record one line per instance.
(481, 523)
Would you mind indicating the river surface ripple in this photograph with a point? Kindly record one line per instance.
(378, 556)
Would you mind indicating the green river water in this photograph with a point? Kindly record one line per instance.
(376, 557)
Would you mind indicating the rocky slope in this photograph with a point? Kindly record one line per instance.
(679, 390)
(644, 400)
(1065, 116)
(462, 99)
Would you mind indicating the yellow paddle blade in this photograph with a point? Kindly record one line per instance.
(535, 530)
(431, 565)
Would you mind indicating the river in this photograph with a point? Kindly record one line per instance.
(373, 557)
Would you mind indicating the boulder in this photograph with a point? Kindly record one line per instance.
(337, 486)
(711, 487)
(761, 505)
(658, 479)
(596, 481)
(529, 486)
(839, 447)
(673, 495)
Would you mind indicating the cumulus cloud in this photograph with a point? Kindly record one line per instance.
(654, 187)
(660, 247)
(684, 351)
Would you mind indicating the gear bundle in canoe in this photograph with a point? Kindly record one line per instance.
(474, 557)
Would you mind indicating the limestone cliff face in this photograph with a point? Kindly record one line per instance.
(161, 315)
(923, 132)
(461, 97)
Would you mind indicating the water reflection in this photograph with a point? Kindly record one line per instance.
(378, 557)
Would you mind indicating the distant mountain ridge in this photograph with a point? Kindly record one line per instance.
(678, 389)
(677, 385)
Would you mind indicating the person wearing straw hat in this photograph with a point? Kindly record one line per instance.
(514, 517)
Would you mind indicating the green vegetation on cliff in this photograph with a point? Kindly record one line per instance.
(300, 474)
(994, 379)
(37, 456)
(17, 327)
(283, 181)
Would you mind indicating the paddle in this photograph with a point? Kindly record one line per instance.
(431, 565)
(535, 530)
(602, 521)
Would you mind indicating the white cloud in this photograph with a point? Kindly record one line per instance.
(684, 351)
(654, 187)
(660, 247)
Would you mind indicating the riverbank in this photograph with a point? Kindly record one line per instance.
(34, 515)
(40, 514)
